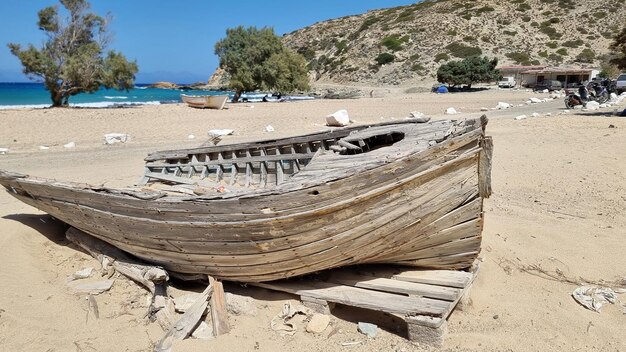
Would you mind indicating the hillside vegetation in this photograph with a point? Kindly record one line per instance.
(406, 45)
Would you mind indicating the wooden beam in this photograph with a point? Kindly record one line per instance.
(219, 315)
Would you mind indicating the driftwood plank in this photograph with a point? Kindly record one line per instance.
(219, 314)
(484, 167)
(362, 298)
(458, 279)
(147, 275)
(395, 286)
(184, 326)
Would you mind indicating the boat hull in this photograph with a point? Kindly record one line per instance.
(424, 209)
(205, 101)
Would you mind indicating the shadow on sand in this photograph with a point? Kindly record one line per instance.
(46, 225)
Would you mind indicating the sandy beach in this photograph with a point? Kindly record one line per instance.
(559, 204)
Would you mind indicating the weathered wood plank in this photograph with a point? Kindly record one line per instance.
(347, 278)
(484, 167)
(219, 315)
(358, 297)
(458, 279)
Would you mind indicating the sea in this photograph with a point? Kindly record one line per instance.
(34, 95)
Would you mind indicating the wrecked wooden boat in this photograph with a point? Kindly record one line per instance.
(402, 193)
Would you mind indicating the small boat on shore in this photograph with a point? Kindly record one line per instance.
(205, 101)
(401, 193)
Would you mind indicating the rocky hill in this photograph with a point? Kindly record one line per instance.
(405, 46)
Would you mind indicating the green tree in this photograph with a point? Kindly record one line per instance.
(72, 58)
(474, 69)
(256, 59)
(619, 45)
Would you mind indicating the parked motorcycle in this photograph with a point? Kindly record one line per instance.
(593, 91)
(573, 99)
(598, 92)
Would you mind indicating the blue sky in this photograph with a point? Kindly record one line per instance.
(174, 40)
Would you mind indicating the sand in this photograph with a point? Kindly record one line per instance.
(559, 202)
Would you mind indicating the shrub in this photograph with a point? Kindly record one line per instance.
(519, 58)
(461, 50)
(394, 43)
(511, 33)
(587, 56)
(573, 43)
(543, 53)
(468, 71)
(552, 45)
(562, 52)
(341, 46)
(384, 58)
(442, 57)
(523, 7)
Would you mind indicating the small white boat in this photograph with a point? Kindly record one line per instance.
(205, 101)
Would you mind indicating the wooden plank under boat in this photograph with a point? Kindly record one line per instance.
(205, 101)
(402, 193)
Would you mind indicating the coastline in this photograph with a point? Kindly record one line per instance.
(557, 203)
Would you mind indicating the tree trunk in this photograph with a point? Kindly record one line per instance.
(58, 99)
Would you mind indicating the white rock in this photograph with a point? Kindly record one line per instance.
(549, 114)
(339, 118)
(94, 287)
(593, 105)
(191, 136)
(484, 109)
(528, 102)
(370, 330)
(269, 128)
(451, 111)
(69, 145)
(545, 91)
(241, 305)
(535, 114)
(184, 302)
(318, 323)
(83, 274)
(112, 138)
(220, 132)
(4, 151)
(613, 97)
(520, 117)
(43, 147)
(418, 117)
(534, 100)
(565, 111)
(204, 331)
(521, 105)
(578, 107)
(603, 105)
(416, 114)
(502, 105)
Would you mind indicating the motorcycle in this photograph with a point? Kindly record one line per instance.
(573, 99)
(597, 93)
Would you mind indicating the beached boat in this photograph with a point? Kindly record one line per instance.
(403, 193)
(205, 101)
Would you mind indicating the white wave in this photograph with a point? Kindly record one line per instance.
(141, 87)
(20, 107)
(115, 97)
(110, 104)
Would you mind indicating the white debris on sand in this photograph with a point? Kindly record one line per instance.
(4, 151)
(535, 114)
(502, 105)
(191, 136)
(520, 117)
(269, 128)
(418, 117)
(220, 132)
(592, 105)
(43, 147)
(368, 329)
(593, 298)
(339, 118)
(69, 145)
(534, 100)
(451, 111)
(112, 138)
(484, 109)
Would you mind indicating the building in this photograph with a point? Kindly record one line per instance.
(516, 71)
(568, 76)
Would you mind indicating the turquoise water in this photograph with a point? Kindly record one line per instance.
(34, 95)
